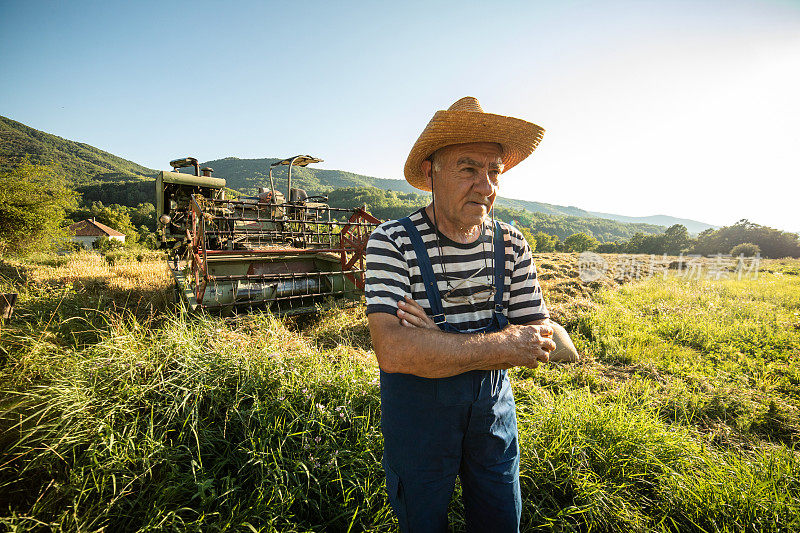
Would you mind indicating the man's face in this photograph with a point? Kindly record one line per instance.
(466, 183)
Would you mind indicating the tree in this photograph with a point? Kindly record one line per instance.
(143, 215)
(545, 242)
(118, 217)
(646, 244)
(610, 247)
(579, 242)
(105, 245)
(676, 239)
(33, 207)
(529, 238)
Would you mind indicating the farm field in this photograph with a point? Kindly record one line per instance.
(119, 414)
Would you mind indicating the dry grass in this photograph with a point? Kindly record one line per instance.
(126, 274)
(139, 286)
(567, 295)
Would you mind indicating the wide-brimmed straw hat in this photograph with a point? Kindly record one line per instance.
(466, 122)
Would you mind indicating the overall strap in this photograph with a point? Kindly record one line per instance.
(499, 268)
(426, 269)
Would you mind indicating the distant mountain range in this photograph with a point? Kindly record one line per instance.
(93, 171)
(659, 220)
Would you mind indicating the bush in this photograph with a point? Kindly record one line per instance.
(111, 258)
(72, 247)
(747, 249)
(104, 244)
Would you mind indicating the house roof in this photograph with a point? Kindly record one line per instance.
(92, 228)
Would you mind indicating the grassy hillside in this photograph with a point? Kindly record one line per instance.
(683, 415)
(79, 163)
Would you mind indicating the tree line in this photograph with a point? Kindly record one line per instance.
(36, 207)
(743, 237)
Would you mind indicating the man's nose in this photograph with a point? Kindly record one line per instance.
(483, 184)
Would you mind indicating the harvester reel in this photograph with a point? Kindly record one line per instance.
(353, 240)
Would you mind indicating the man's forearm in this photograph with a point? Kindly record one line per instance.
(435, 354)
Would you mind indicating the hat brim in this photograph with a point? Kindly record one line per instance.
(518, 138)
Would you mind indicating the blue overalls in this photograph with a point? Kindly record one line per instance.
(465, 425)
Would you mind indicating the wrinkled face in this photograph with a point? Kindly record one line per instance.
(465, 181)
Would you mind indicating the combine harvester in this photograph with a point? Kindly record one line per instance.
(261, 251)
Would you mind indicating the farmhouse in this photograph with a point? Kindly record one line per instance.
(86, 232)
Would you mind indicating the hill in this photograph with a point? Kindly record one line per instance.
(388, 205)
(248, 174)
(102, 176)
(660, 220)
(96, 174)
(80, 163)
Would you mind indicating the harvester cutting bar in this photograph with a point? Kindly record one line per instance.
(274, 289)
(273, 277)
(282, 300)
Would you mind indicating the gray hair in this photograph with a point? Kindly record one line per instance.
(436, 160)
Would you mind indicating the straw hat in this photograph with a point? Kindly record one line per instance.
(466, 122)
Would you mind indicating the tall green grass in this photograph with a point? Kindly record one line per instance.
(720, 351)
(260, 424)
(196, 425)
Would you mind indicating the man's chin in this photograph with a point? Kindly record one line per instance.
(472, 220)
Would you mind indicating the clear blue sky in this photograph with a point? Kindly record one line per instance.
(686, 108)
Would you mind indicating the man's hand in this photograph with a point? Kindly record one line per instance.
(412, 315)
(535, 342)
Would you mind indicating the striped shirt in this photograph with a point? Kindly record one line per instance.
(393, 273)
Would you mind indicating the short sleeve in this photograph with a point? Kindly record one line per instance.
(387, 277)
(526, 302)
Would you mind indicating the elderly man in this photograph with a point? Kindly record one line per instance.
(452, 302)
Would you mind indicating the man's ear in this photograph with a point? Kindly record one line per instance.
(426, 167)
